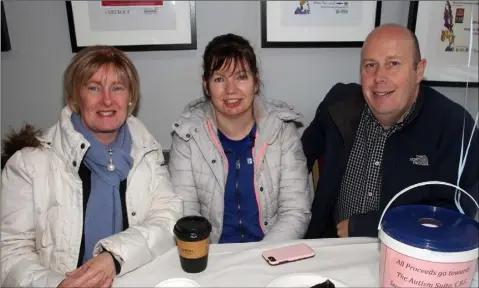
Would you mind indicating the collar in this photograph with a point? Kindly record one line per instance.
(346, 113)
(419, 104)
(70, 146)
(269, 114)
(398, 125)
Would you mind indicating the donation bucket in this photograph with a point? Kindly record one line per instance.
(427, 246)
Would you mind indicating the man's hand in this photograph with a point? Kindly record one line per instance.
(343, 228)
(97, 272)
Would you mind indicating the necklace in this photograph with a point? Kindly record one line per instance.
(110, 167)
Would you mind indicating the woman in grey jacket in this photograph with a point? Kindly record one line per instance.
(237, 158)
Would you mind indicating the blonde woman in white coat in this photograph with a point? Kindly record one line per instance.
(89, 199)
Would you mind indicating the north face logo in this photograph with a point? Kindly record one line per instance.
(420, 160)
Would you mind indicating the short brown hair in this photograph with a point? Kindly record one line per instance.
(228, 49)
(86, 62)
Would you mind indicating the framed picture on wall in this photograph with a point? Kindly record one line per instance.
(6, 46)
(304, 24)
(133, 25)
(447, 32)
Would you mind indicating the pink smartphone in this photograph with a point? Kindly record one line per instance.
(288, 254)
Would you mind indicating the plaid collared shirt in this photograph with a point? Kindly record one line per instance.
(361, 183)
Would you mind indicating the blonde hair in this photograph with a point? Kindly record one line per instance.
(86, 62)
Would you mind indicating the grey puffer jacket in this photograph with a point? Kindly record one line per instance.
(199, 167)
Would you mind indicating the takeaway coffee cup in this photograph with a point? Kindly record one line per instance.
(192, 238)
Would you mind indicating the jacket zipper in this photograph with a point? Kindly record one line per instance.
(237, 195)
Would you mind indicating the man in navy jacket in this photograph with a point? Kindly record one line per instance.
(384, 135)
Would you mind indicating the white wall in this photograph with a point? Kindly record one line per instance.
(32, 71)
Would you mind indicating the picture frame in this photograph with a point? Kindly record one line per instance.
(342, 23)
(6, 45)
(443, 32)
(126, 25)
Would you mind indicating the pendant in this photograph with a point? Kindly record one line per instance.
(110, 167)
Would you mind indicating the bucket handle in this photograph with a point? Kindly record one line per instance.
(419, 185)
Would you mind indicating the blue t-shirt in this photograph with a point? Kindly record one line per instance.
(240, 220)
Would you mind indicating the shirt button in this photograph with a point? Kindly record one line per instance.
(370, 194)
(133, 213)
(376, 163)
(74, 163)
(261, 189)
(82, 146)
(265, 223)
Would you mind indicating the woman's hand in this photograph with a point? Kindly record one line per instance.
(98, 277)
(97, 272)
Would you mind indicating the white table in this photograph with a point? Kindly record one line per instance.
(353, 261)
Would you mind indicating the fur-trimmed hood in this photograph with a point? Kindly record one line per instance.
(27, 136)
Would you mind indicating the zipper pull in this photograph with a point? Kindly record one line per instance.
(237, 164)
(110, 167)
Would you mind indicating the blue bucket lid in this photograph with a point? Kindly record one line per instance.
(408, 224)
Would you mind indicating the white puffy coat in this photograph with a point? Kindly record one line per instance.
(42, 213)
(198, 168)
